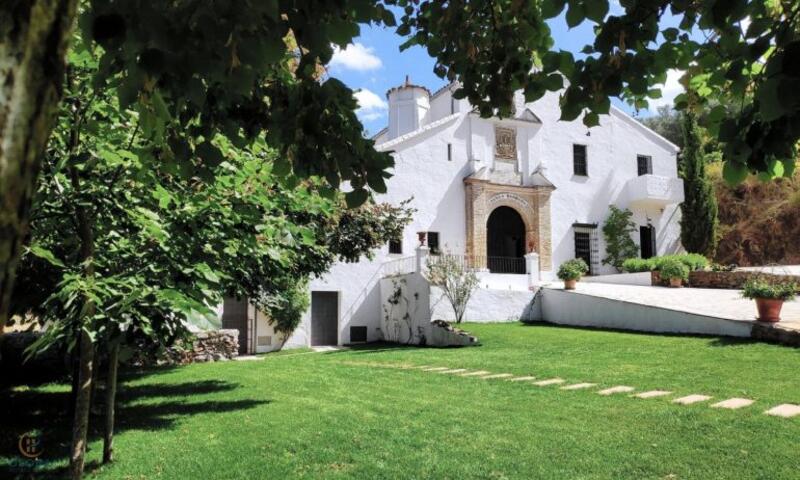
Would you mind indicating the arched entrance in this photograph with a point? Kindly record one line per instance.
(505, 241)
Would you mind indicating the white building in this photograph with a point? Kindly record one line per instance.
(493, 190)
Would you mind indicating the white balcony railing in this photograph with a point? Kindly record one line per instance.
(654, 191)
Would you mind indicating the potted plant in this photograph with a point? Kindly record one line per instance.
(675, 272)
(769, 297)
(571, 271)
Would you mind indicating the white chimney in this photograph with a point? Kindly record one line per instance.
(408, 108)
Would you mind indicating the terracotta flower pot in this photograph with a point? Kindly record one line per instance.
(570, 284)
(675, 283)
(769, 309)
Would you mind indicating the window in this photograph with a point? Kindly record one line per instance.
(579, 164)
(396, 246)
(449, 152)
(433, 242)
(587, 245)
(583, 247)
(644, 164)
(452, 105)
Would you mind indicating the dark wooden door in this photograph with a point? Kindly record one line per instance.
(647, 240)
(234, 315)
(324, 318)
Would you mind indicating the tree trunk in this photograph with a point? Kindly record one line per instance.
(33, 42)
(111, 394)
(82, 404)
(84, 399)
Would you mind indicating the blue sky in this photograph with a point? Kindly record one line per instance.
(373, 64)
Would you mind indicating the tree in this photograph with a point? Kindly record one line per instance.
(456, 280)
(196, 69)
(667, 123)
(107, 271)
(617, 231)
(699, 208)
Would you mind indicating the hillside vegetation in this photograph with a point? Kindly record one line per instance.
(759, 221)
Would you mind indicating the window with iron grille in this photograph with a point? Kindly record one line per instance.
(396, 246)
(579, 163)
(644, 164)
(433, 242)
(583, 248)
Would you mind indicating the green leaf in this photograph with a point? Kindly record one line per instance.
(45, 254)
(734, 173)
(575, 14)
(552, 8)
(356, 198)
(596, 10)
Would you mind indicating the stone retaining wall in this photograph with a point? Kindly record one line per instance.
(208, 346)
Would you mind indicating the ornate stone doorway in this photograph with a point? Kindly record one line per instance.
(531, 204)
(505, 241)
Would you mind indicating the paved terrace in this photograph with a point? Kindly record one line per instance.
(719, 303)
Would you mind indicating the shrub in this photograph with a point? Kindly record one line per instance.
(617, 232)
(693, 261)
(674, 268)
(573, 269)
(759, 288)
(633, 265)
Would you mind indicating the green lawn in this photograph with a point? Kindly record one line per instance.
(317, 415)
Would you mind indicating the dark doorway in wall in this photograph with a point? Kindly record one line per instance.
(647, 240)
(234, 315)
(505, 241)
(324, 318)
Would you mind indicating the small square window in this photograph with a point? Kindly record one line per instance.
(644, 164)
(396, 246)
(433, 243)
(579, 161)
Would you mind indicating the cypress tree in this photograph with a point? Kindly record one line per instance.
(699, 208)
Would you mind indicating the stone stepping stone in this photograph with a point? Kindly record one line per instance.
(455, 370)
(690, 399)
(734, 403)
(617, 389)
(786, 410)
(578, 386)
(521, 379)
(476, 373)
(551, 381)
(435, 369)
(497, 375)
(652, 394)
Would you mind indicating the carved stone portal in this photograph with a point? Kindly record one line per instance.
(531, 202)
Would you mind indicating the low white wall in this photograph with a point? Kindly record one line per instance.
(488, 305)
(639, 278)
(571, 308)
(503, 281)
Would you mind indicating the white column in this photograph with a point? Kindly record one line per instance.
(422, 258)
(532, 268)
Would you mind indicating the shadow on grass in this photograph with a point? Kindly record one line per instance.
(148, 406)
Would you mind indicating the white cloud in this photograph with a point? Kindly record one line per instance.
(355, 57)
(370, 106)
(671, 88)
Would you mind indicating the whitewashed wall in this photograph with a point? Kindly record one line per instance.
(422, 171)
